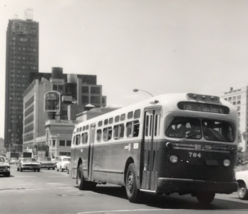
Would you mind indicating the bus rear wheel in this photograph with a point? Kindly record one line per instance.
(205, 198)
(82, 184)
(133, 193)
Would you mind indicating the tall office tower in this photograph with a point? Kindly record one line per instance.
(22, 60)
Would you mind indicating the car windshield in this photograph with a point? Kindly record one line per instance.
(192, 128)
(28, 160)
(2, 159)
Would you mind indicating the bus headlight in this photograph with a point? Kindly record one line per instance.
(173, 159)
(226, 162)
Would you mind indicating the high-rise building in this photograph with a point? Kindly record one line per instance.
(238, 98)
(22, 62)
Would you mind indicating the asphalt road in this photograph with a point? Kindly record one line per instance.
(53, 192)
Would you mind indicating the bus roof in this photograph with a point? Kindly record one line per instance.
(169, 100)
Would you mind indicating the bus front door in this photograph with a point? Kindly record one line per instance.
(91, 151)
(149, 149)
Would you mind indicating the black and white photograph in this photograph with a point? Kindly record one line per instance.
(123, 106)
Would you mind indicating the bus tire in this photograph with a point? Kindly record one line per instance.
(133, 193)
(82, 184)
(205, 198)
(242, 190)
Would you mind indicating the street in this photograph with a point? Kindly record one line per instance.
(49, 191)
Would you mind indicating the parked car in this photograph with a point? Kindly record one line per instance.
(13, 160)
(46, 162)
(4, 167)
(61, 164)
(242, 179)
(28, 164)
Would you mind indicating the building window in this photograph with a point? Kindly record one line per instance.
(68, 143)
(95, 90)
(61, 143)
(85, 89)
(54, 143)
(85, 99)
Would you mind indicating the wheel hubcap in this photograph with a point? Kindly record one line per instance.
(242, 191)
(130, 182)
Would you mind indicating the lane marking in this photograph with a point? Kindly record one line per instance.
(112, 211)
(20, 176)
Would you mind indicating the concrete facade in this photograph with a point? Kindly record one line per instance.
(238, 98)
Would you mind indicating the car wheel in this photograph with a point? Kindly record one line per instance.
(133, 193)
(61, 170)
(48, 168)
(205, 198)
(17, 168)
(21, 169)
(54, 168)
(38, 170)
(34, 170)
(242, 190)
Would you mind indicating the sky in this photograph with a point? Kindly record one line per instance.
(160, 46)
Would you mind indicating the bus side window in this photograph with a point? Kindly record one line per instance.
(116, 130)
(74, 140)
(136, 128)
(99, 135)
(129, 129)
(105, 134)
(82, 139)
(77, 139)
(109, 133)
(121, 129)
(86, 137)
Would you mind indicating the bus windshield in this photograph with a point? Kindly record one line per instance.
(192, 128)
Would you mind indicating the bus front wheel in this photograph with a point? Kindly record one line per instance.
(242, 190)
(82, 184)
(133, 193)
(205, 198)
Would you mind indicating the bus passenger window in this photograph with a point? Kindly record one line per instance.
(121, 130)
(116, 129)
(105, 134)
(123, 117)
(130, 115)
(129, 129)
(77, 140)
(110, 133)
(86, 137)
(136, 128)
(99, 135)
(74, 140)
(137, 114)
(117, 118)
(82, 139)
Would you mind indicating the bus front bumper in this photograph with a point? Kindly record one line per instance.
(170, 185)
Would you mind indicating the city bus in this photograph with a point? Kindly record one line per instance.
(181, 143)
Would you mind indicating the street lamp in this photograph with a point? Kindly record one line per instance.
(136, 90)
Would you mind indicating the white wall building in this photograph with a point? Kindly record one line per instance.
(238, 98)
